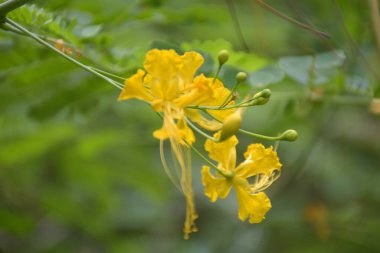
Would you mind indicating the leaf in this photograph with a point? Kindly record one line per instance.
(297, 67)
(238, 59)
(90, 31)
(331, 59)
(52, 24)
(268, 75)
(357, 84)
(317, 69)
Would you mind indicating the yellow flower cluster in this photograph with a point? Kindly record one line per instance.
(170, 86)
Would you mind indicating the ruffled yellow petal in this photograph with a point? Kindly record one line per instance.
(185, 132)
(259, 160)
(223, 152)
(169, 74)
(161, 134)
(254, 206)
(196, 93)
(181, 132)
(134, 88)
(163, 79)
(191, 62)
(214, 187)
(160, 62)
(220, 93)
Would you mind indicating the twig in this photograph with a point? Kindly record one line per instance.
(354, 44)
(235, 21)
(291, 20)
(375, 20)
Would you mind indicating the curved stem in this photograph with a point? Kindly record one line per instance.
(108, 73)
(245, 103)
(269, 138)
(200, 131)
(217, 73)
(197, 151)
(291, 20)
(375, 21)
(208, 161)
(236, 24)
(228, 98)
(46, 44)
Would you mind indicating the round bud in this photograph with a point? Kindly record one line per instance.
(289, 135)
(266, 93)
(223, 57)
(241, 77)
(230, 126)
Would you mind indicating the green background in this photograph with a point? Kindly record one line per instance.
(80, 172)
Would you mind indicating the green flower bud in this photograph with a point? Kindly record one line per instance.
(266, 93)
(289, 135)
(259, 101)
(223, 57)
(241, 77)
(230, 126)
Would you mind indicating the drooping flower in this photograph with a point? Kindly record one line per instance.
(259, 170)
(169, 86)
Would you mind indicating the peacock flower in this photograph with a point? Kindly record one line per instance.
(259, 170)
(169, 85)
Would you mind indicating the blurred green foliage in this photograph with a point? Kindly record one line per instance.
(80, 172)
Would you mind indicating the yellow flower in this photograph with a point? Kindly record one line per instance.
(259, 170)
(169, 86)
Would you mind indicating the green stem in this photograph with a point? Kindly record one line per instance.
(291, 20)
(228, 98)
(197, 151)
(10, 28)
(269, 138)
(108, 73)
(217, 73)
(246, 103)
(10, 5)
(200, 131)
(46, 44)
(208, 161)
